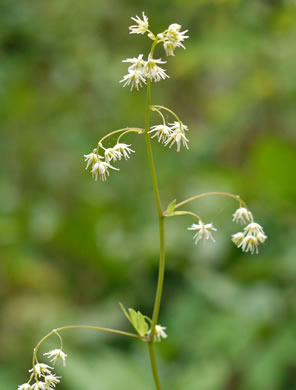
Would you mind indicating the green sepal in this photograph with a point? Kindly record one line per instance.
(171, 208)
(137, 319)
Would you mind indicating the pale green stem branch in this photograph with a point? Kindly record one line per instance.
(179, 213)
(160, 113)
(55, 331)
(166, 109)
(130, 131)
(236, 197)
(135, 129)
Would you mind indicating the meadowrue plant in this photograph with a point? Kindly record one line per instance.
(143, 70)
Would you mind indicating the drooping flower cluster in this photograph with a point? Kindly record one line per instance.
(44, 378)
(253, 233)
(171, 134)
(100, 168)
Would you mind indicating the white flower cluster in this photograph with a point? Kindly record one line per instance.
(140, 70)
(159, 333)
(100, 168)
(253, 233)
(172, 38)
(42, 373)
(172, 134)
(203, 231)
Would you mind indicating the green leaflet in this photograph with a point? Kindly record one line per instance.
(137, 319)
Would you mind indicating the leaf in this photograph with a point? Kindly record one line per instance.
(137, 319)
(171, 208)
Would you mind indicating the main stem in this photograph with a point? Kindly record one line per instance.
(161, 237)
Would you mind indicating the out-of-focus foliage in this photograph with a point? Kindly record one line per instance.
(71, 248)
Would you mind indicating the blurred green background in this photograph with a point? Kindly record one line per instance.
(72, 248)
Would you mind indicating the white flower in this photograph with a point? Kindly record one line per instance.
(137, 63)
(202, 231)
(112, 154)
(169, 48)
(142, 25)
(177, 135)
(249, 243)
(242, 215)
(41, 368)
(238, 238)
(40, 386)
(91, 158)
(152, 71)
(159, 333)
(261, 237)
(24, 386)
(162, 132)
(57, 354)
(174, 38)
(134, 78)
(254, 229)
(178, 126)
(52, 380)
(123, 149)
(100, 169)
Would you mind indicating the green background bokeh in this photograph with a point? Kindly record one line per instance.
(72, 248)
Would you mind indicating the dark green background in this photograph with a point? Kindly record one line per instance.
(72, 248)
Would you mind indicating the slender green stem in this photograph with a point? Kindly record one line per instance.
(150, 155)
(161, 114)
(135, 129)
(129, 131)
(161, 234)
(179, 213)
(166, 109)
(236, 197)
(55, 331)
(154, 365)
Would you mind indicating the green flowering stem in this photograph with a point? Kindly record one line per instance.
(161, 234)
(228, 194)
